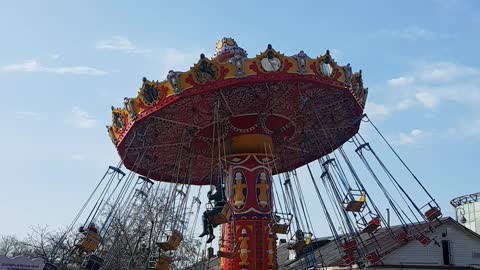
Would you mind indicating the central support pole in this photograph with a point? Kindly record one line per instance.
(249, 180)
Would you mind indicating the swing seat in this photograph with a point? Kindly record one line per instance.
(373, 257)
(226, 255)
(89, 243)
(222, 217)
(209, 253)
(163, 262)
(230, 255)
(280, 223)
(173, 241)
(348, 258)
(401, 237)
(372, 226)
(49, 266)
(350, 246)
(280, 228)
(355, 206)
(423, 239)
(92, 262)
(433, 214)
(354, 201)
(141, 192)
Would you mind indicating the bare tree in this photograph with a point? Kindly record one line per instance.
(129, 240)
(11, 246)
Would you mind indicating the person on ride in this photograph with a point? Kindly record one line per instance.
(90, 229)
(88, 235)
(299, 245)
(218, 199)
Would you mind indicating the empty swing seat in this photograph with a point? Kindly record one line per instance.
(280, 228)
(280, 223)
(173, 241)
(401, 237)
(349, 250)
(423, 239)
(92, 262)
(350, 246)
(228, 254)
(433, 214)
(372, 226)
(373, 257)
(90, 242)
(222, 217)
(209, 253)
(225, 254)
(348, 258)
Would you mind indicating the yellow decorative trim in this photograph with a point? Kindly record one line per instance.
(273, 62)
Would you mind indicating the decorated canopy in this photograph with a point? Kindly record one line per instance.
(307, 106)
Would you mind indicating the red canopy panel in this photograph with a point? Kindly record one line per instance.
(306, 119)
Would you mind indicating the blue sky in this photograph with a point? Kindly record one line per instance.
(63, 64)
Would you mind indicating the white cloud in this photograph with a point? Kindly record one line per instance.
(79, 71)
(82, 119)
(400, 82)
(427, 99)
(78, 157)
(34, 66)
(54, 56)
(409, 138)
(432, 83)
(27, 66)
(432, 86)
(380, 111)
(121, 44)
(443, 71)
(410, 33)
(376, 110)
(404, 105)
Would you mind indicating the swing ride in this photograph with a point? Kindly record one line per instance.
(236, 122)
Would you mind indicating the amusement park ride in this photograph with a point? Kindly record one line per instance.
(236, 122)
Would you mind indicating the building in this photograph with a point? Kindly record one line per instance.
(20, 262)
(452, 246)
(467, 211)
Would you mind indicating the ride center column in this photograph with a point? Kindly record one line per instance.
(249, 183)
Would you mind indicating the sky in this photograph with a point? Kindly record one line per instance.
(63, 64)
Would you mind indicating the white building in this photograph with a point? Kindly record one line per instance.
(453, 246)
(20, 263)
(467, 211)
